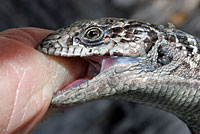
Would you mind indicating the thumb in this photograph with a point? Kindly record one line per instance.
(28, 79)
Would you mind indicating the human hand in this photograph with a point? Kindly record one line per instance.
(29, 78)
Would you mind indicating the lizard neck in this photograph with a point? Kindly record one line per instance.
(170, 93)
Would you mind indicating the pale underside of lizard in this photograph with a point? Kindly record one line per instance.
(130, 60)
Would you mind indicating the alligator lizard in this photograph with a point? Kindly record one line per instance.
(131, 60)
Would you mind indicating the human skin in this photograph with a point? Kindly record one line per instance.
(29, 78)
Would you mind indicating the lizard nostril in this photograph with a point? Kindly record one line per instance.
(51, 45)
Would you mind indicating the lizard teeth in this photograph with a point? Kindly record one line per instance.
(106, 63)
(100, 63)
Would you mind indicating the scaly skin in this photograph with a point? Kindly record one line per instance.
(161, 68)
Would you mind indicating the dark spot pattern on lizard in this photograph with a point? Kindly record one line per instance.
(163, 70)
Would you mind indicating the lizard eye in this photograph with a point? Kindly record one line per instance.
(93, 35)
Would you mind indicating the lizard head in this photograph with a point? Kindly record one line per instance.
(104, 43)
(101, 37)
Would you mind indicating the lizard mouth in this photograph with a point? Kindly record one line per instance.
(96, 65)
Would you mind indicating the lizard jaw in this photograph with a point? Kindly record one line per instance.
(96, 65)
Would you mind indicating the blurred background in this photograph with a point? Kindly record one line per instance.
(104, 116)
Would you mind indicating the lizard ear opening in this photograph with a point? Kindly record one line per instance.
(164, 56)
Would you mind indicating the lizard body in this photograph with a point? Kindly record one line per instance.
(152, 64)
